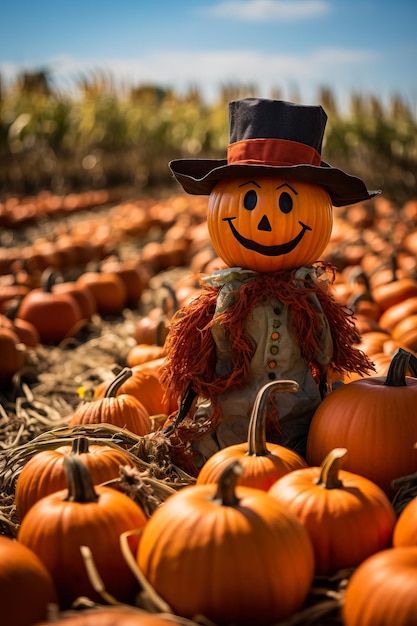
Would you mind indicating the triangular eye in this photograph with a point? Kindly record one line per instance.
(250, 200)
(285, 202)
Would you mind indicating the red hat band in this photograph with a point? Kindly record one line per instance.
(272, 152)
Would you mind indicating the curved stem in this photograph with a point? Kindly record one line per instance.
(257, 423)
(396, 376)
(226, 485)
(113, 388)
(329, 475)
(80, 485)
(48, 280)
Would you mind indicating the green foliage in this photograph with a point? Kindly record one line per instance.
(105, 136)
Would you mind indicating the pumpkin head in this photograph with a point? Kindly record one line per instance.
(269, 224)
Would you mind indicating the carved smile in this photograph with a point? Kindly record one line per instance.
(277, 250)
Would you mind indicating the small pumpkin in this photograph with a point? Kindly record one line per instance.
(346, 515)
(145, 386)
(382, 590)
(374, 418)
(227, 552)
(115, 407)
(262, 462)
(12, 355)
(55, 315)
(57, 526)
(287, 225)
(22, 573)
(44, 473)
(108, 289)
(143, 353)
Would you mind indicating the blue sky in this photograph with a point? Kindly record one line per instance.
(295, 46)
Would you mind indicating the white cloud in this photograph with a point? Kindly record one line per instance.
(269, 10)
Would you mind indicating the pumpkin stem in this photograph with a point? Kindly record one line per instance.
(329, 475)
(80, 485)
(48, 280)
(113, 388)
(173, 295)
(226, 485)
(257, 423)
(400, 362)
(79, 445)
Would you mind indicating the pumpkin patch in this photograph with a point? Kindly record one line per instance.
(104, 499)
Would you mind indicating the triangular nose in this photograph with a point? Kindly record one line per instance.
(264, 224)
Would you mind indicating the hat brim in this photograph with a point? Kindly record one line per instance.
(199, 177)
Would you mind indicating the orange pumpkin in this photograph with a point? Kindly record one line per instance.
(55, 315)
(200, 552)
(268, 224)
(144, 385)
(382, 590)
(57, 526)
(117, 616)
(115, 407)
(21, 570)
(262, 463)
(44, 473)
(374, 418)
(347, 516)
(108, 289)
(405, 531)
(12, 354)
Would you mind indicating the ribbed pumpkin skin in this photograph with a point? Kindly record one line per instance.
(246, 564)
(124, 411)
(405, 531)
(44, 473)
(346, 524)
(26, 586)
(382, 590)
(376, 423)
(267, 225)
(259, 472)
(113, 617)
(55, 529)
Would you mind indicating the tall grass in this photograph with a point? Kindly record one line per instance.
(106, 137)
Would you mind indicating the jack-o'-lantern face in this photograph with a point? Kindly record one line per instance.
(269, 224)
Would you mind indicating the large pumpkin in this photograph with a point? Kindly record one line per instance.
(347, 516)
(58, 525)
(262, 462)
(375, 419)
(269, 224)
(44, 473)
(232, 554)
(382, 590)
(26, 586)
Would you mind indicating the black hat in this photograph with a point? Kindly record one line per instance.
(273, 138)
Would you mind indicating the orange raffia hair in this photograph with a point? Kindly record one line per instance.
(190, 346)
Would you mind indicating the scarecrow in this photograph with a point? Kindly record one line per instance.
(269, 314)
